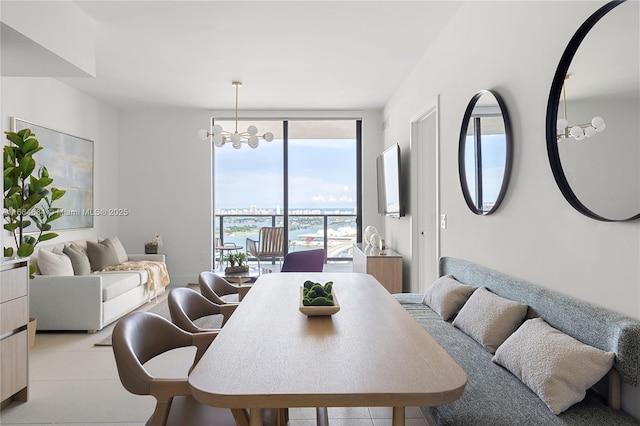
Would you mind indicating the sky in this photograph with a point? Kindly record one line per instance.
(322, 175)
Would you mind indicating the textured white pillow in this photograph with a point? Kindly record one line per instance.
(489, 319)
(120, 251)
(557, 367)
(54, 262)
(446, 296)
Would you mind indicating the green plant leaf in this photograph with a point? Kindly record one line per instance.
(54, 217)
(48, 236)
(15, 138)
(28, 239)
(56, 193)
(25, 250)
(27, 165)
(8, 252)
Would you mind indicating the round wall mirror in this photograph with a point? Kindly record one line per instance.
(485, 152)
(592, 125)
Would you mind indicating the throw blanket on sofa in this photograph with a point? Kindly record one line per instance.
(157, 272)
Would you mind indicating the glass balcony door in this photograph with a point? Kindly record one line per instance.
(305, 180)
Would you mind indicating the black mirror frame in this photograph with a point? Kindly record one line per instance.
(508, 152)
(552, 114)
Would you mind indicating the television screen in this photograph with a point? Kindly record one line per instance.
(390, 197)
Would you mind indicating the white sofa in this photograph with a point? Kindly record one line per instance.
(88, 302)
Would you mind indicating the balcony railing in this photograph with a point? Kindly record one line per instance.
(336, 233)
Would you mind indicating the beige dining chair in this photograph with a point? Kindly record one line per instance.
(217, 289)
(187, 306)
(270, 244)
(141, 336)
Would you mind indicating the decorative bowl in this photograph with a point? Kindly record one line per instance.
(313, 311)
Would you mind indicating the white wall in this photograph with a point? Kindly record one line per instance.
(51, 104)
(514, 48)
(166, 182)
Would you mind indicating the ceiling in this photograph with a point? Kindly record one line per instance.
(310, 55)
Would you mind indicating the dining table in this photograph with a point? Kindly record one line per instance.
(369, 353)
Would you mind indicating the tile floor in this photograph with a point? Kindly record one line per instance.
(73, 382)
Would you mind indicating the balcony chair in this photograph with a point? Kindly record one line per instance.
(270, 244)
(217, 289)
(141, 336)
(187, 307)
(304, 261)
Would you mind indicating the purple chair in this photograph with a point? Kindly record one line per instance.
(304, 261)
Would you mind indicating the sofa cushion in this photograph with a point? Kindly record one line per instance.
(489, 318)
(54, 262)
(114, 285)
(557, 367)
(446, 296)
(79, 259)
(102, 254)
(120, 251)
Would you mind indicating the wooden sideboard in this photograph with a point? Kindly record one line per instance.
(385, 265)
(14, 341)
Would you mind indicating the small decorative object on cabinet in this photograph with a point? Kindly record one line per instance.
(384, 265)
(14, 317)
(369, 231)
(151, 246)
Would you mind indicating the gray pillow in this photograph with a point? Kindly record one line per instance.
(557, 367)
(79, 259)
(489, 319)
(54, 262)
(102, 254)
(446, 296)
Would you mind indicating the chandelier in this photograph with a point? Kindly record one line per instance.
(220, 136)
(578, 131)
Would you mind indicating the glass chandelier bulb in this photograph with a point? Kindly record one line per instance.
(235, 138)
(576, 131)
(601, 127)
(252, 130)
(268, 136)
(203, 134)
(217, 129)
(237, 145)
(589, 131)
(562, 124)
(580, 137)
(597, 121)
(219, 140)
(253, 141)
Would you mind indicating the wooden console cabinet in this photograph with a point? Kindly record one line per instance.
(385, 265)
(14, 341)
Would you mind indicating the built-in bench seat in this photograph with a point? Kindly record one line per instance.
(493, 395)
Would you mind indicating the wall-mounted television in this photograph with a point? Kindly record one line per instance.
(390, 196)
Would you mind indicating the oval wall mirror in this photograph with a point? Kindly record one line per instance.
(592, 124)
(485, 152)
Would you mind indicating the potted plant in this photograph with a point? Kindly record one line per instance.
(27, 198)
(237, 263)
(151, 246)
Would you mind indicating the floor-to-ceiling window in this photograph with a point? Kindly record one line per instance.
(306, 180)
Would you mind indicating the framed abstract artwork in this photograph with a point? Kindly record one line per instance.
(69, 161)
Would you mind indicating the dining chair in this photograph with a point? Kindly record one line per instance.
(304, 261)
(270, 244)
(187, 306)
(217, 289)
(141, 336)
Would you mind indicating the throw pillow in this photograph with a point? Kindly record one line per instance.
(490, 319)
(447, 295)
(120, 251)
(102, 254)
(557, 367)
(54, 262)
(79, 259)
